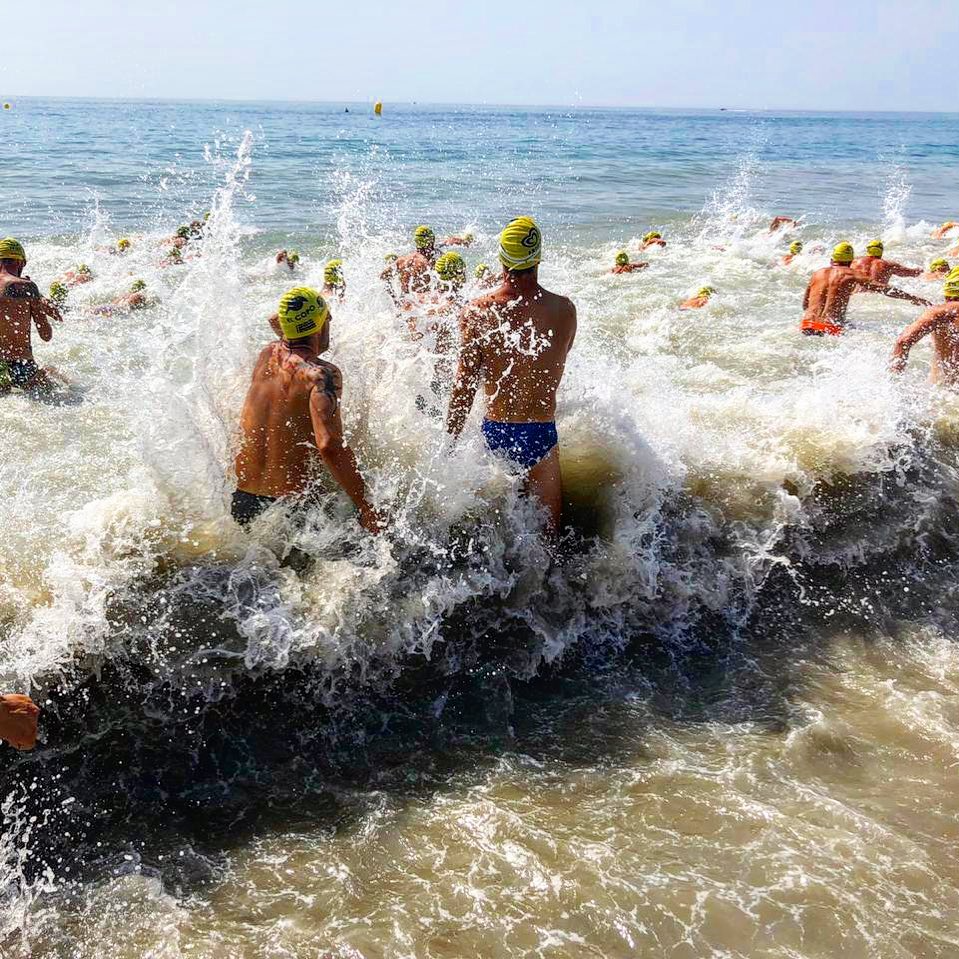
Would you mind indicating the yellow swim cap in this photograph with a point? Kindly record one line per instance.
(622, 258)
(391, 257)
(84, 270)
(138, 286)
(302, 312)
(939, 266)
(58, 292)
(468, 238)
(843, 253)
(11, 249)
(123, 244)
(451, 268)
(521, 245)
(875, 248)
(951, 288)
(706, 291)
(293, 257)
(183, 232)
(333, 273)
(174, 253)
(795, 247)
(423, 237)
(481, 270)
(652, 235)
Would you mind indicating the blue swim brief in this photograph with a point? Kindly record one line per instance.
(526, 444)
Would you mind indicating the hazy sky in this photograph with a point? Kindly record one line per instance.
(805, 54)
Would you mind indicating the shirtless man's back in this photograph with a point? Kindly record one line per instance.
(830, 290)
(942, 323)
(413, 269)
(21, 309)
(874, 267)
(516, 339)
(291, 417)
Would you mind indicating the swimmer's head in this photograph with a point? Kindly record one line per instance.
(795, 247)
(123, 245)
(206, 216)
(391, 257)
(138, 286)
(481, 270)
(424, 238)
(333, 273)
(183, 232)
(468, 238)
(843, 253)
(939, 266)
(83, 270)
(293, 257)
(11, 249)
(301, 313)
(58, 293)
(622, 258)
(451, 268)
(521, 245)
(652, 235)
(706, 292)
(174, 254)
(951, 287)
(875, 248)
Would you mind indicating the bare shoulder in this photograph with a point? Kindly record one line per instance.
(18, 288)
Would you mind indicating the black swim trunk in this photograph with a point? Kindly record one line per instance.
(20, 373)
(247, 506)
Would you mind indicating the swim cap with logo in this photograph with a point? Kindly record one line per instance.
(123, 244)
(843, 253)
(521, 245)
(333, 273)
(450, 267)
(302, 312)
(652, 235)
(795, 247)
(423, 237)
(951, 288)
(939, 266)
(622, 258)
(293, 257)
(481, 270)
(11, 249)
(875, 248)
(138, 286)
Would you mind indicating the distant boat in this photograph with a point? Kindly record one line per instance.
(347, 110)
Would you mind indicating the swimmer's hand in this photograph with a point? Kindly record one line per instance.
(18, 721)
(897, 364)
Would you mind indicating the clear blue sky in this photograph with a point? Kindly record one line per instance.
(785, 54)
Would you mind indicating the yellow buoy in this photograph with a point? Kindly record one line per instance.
(6, 106)
(378, 108)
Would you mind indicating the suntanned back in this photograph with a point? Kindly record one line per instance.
(524, 344)
(17, 298)
(278, 453)
(828, 293)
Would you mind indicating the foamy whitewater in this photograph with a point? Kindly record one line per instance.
(725, 723)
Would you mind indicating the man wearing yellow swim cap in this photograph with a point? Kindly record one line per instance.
(465, 240)
(781, 223)
(22, 309)
(938, 270)
(795, 248)
(830, 290)
(698, 301)
(942, 322)
(880, 270)
(414, 269)
(291, 419)
(334, 283)
(516, 339)
(653, 238)
(623, 265)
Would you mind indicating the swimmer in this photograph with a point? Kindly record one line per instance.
(699, 300)
(465, 240)
(830, 290)
(414, 269)
(136, 299)
(938, 270)
(22, 308)
(781, 222)
(334, 283)
(874, 267)
(292, 259)
(291, 419)
(123, 246)
(795, 249)
(652, 239)
(624, 266)
(58, 295)
(18, 721)
(942, 322)
(940, 232)
(78, 276)
(181, 237)
(485, 277)
(953, 251)
(282, 257)
(173, 257)
(516, 340)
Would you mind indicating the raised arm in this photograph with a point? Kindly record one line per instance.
(899, 270)
(928, 323)
(892, 292)
(339, 458)
(469, 369)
